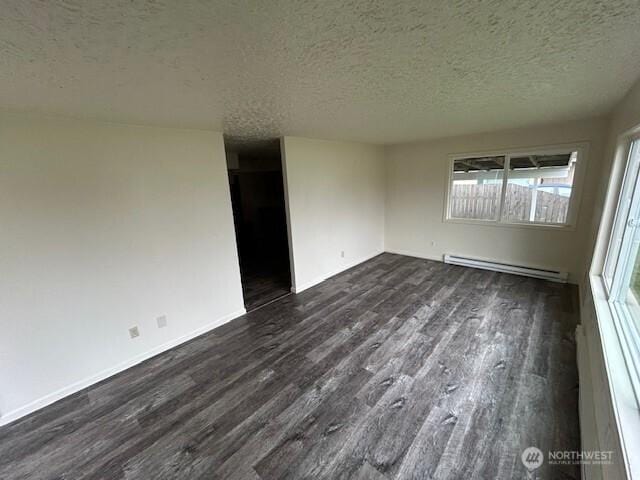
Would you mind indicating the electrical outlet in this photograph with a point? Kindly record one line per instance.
(162, 321)
(134, 332)
(433, 244)
(342, 253)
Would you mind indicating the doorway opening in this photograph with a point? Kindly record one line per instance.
(259, 215)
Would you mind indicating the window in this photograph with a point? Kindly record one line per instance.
(515, 187)
(621, 272)
(624, 215)
(477, 183)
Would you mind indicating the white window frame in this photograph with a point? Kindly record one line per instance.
(623, 211)
(623, 305)
(576, 192)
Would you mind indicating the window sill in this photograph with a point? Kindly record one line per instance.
(626, 408)
(490, 223)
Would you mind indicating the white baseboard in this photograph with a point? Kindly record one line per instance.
(317, 280)
(104, 374)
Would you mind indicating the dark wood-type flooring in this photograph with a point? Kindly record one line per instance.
(263, 286)
(397, 368)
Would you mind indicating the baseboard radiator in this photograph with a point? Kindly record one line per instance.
(553, 275)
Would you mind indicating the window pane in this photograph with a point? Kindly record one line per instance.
(628, 269)
(539, 188)
(622, 211)
(476, 188)
(634, 286)
(631, 292)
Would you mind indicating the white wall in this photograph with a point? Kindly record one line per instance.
(335, 201)
(104, 227)
(416, 183)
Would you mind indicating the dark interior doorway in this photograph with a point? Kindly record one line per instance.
(257, 197)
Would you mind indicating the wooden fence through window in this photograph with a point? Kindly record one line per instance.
(481, 202)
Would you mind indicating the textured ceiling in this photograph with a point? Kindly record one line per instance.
(382, 71)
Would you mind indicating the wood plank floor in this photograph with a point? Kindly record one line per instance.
(397, 368)
(261, 287)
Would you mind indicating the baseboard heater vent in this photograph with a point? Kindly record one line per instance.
(553, 275)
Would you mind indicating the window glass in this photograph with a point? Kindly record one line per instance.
(622, 213)
(634, 284)
(628, 269)
(515, 188)
(539, 188)
(476, 188)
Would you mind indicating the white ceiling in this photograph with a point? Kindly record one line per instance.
(381, 71)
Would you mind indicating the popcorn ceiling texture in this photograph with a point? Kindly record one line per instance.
(381, 71)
